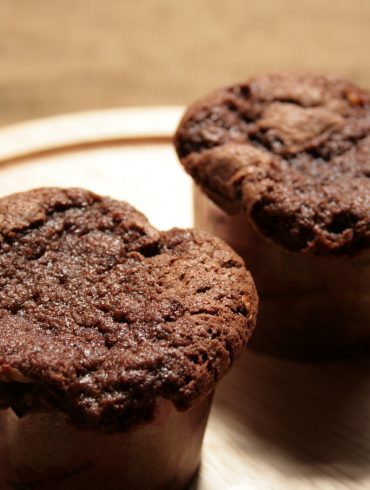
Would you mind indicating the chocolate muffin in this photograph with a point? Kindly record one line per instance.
(113, 336)
(286, 159)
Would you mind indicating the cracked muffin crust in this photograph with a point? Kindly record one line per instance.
(101, 314)
(291, 151)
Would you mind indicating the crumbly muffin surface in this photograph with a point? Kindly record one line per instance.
(101, 314)
(293, 152)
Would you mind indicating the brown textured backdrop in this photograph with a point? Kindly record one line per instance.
(63, 56)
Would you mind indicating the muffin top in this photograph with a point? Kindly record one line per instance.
(293, 152)
(101, 314)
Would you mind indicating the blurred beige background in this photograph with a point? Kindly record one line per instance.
(70, 55)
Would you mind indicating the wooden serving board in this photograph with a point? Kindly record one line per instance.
(275, 424)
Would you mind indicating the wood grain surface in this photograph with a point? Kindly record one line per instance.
(275, 424)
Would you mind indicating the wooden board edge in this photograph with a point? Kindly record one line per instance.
(84, 129)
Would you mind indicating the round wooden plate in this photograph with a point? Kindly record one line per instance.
(275, 424)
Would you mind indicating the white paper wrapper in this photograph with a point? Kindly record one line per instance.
(45, 451)
(310, 306)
